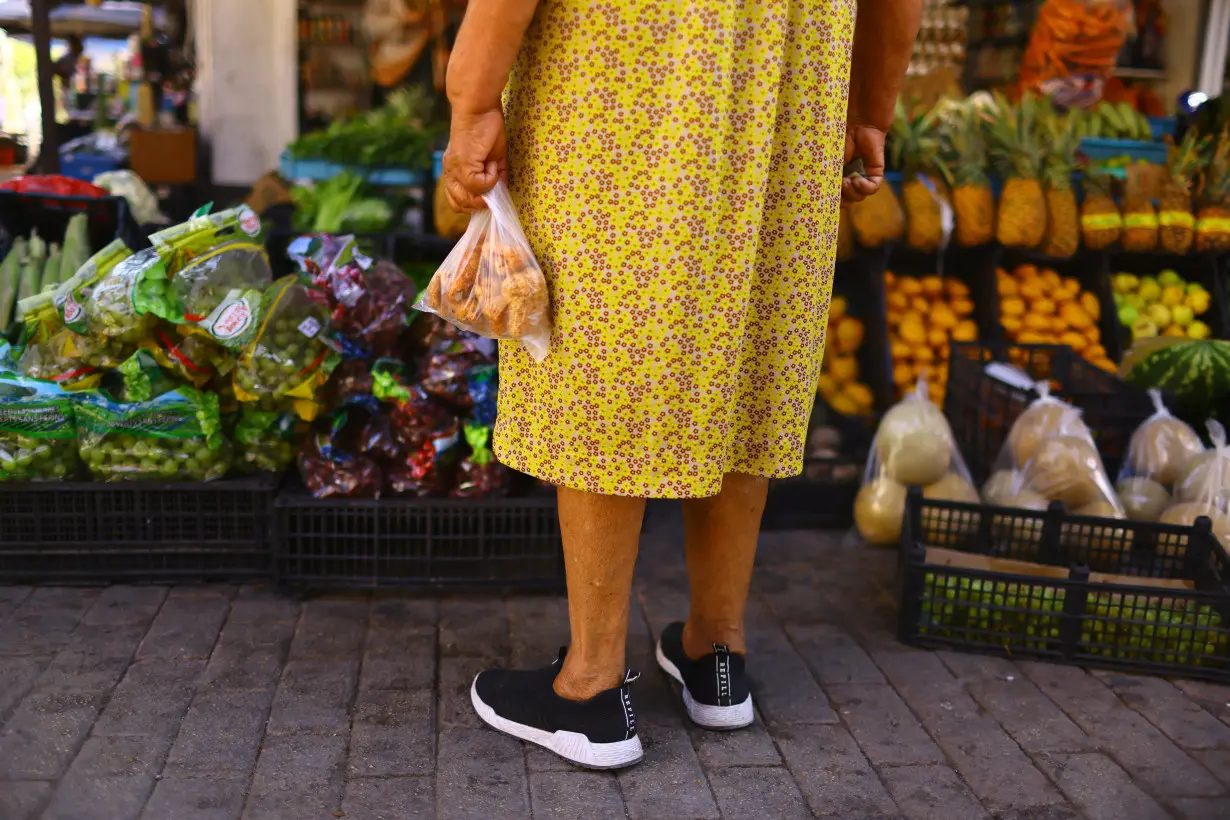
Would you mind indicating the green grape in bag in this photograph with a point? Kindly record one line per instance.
(38, 437)
(265, 441)
(140, 378)
(193, 357)
(175, 436)
(292, 354)
(72, 296)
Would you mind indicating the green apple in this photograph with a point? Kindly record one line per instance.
(1143, 329)
(1169, 278)
(1150, 290)
(1124, 282)
(1128, 315)
(1159, 314)
(1182, 315)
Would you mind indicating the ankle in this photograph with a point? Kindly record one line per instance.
(699, 638)
(584, 685)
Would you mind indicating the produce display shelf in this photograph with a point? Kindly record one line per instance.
(981, 406)
(89, 532)
(417, 543)
(1127, 595)
(1100, 148)
(318, 170)
(822, 496)
(1202, 268)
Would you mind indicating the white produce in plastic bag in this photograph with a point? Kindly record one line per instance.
(1202, 489)
(913, 446)
(1160, 448)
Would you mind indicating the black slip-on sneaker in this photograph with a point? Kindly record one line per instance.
(599, 733)
(715, 687)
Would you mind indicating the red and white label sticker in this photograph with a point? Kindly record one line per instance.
(72, 310)
(249, 222)
(232, 319)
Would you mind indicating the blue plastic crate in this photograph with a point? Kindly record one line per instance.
(318, 170)
(1163, 127)
(85, 165)
(1099, 148)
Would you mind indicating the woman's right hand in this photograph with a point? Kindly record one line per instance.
(476, 158)
(865, 142)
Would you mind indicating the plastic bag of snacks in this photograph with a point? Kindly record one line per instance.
(291, 354)
(443, 370)
(1202, 488)
(913, 446)
(174, 436)
(1159, 450)
(417, 417)
(328, 471)
(483, 381)
(38, 436)
(430, 470)
(480, 475)
(378, 318)
(379, 439)
(352, 378)
(491, 283)
(264, 441)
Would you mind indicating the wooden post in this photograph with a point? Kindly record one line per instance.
(40, 25)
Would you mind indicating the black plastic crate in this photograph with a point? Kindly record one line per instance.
(822, 497)
(1126, 595)
(982, 408)
(84, 532)
(109, 218)
(340, 543)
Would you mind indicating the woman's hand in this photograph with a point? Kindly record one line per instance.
(865, 142)
(476, 158)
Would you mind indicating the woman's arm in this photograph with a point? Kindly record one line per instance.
(883, 40)
(486, 48)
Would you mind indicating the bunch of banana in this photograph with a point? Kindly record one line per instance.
(1115, 121)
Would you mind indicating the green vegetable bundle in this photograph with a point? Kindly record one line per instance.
(265, 441)
(400, 134)
(174, 436)
(38, 438)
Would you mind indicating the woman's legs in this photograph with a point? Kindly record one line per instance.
(601, 535)
(721, 533)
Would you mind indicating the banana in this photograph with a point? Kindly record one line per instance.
(1145, 128)
(1110, 119)
(1128, 115)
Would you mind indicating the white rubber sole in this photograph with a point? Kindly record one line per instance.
(572, 746)
(702, 714)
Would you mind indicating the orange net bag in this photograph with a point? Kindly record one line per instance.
(1075, 37)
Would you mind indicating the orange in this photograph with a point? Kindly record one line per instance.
(1090, 303)
(1030, 337)
(912, 329)
(1025, 271)
(1012, 307)
(889, 279)
(943, 316)
(1051, 278)
(1035, 321)
(965, 331)
(844, 369)
(1008, 287)
(1075, 316)
(825, 385)
(898, 301)
(1012, 324)
(1044, 307)
(932, 285)
(837, 308)
(849, 335)
(909, 286)
(924, 354)
(1074, 340)
(937, 337)
(1095, 351)
(899, 350)
(1058, 325)
(893, 317)
(903, 374)
(956, 289)
(1093, 334)
(962, 307)
(921, 305)
(1032, 291)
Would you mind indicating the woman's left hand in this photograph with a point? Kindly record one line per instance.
(476, 158)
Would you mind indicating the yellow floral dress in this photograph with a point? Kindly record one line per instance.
(677, 168)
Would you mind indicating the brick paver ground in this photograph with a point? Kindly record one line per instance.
(218, 702)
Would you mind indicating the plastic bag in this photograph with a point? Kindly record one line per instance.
(1202, 489)
(265, 441)
(381, 314)
(431, 470)
(483, 382)
(193, 358)
(125, 302)
(174, 436)
(291, 354)
(913, 446)
(38, 436)
(491, 283)
(443, 371)
(480, 475)
(141, 378)
(72, 361)
(329, 471)
(1159, 450)
(418, 418)
(141, 200)
(72, 298)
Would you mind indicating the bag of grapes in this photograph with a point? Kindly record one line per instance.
(217, 268)
(193, 357)
(38, 437)
(140, 378)
(70, 360)
(125, 301)
(175, 436)
(265, 441)
(490, 283)
(913, 446)
(291, 354)
(1157, 453)
(72, 298)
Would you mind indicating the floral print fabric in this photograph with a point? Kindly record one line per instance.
(677, 168)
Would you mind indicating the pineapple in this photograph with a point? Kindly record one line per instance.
(1183, 162)
(1101, 222)
(1016, 151)
(1062, 235)
(878, 219)
(963, 162)
(924, 194)
(1213, 218)
(1139, 223)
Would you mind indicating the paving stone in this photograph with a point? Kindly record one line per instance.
(456, 676)
(43, 734)
(106, 640)
(1099, 788)
(273, 636)
(785, 691)
(244, 669)
(413, 668)
(389, 798)
(264, 609)
(297, 776)
(747, 747)
(1200, 808)
(474, 626)
(833, 773)
(10, 599)
(758, 792)
(655, 697)
(881, 723)
(573, 794)
(17, 676)
(393, 734)
(99, 798)
(227, 591)
(21, 800)
(122, 756)
(480, 773)
(1166, 707)
(151, 699)
(1030, 717)
(1159, 766)
(314, 696)
(931, 793)
(221, 732)
(82, 672)
(43, 621)
(126, 605)
(669, 782)
(189, 798)
(992, 764)
(1217, 762)
(404, 615)
(833, 655)
(1215, 698)
(330, 630)
(186, 627)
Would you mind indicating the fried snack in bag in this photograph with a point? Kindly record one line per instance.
(491, 283)
(480, 475)
(291, 355)
(914, 445)
(1158, 451)
(264, 441)
(38, 436)
(176, 436)
(1202, 490)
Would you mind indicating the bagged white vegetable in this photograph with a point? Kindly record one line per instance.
(913, 446)
(491, 284)
(1202, 489)
(1159, 450)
